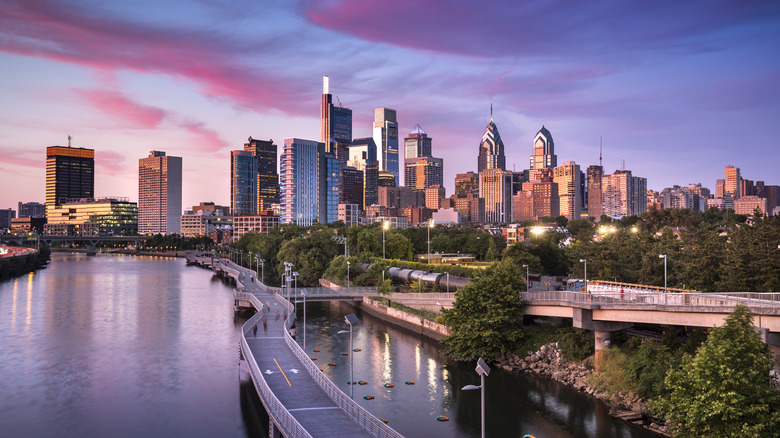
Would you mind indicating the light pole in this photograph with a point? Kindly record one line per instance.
(262, 271)
(430, 225)
(347, 273)
(385, 226)
(527, 282)
(586, 273)
(303, 292)
(663, 256)
(351, 319)
(448, 282)
(295, 276)
(483, 370)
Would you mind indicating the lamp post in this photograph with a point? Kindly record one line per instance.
(663, 256)
(347, 273)
(483, 370)
(586, 273)
(430, 225)
(527, 282)
(295, 276)
(385, 226)
(303, 292)
(262, 271)
(351, 319)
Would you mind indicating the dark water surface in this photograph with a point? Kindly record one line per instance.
(124, 346)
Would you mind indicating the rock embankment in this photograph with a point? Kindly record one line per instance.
(549, 361)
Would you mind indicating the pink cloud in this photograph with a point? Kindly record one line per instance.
(118, 106)
(65, 33)
(207, 139)
(111, 162)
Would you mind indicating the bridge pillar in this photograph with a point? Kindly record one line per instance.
(273, 431)
(583, 318)
(603, 341)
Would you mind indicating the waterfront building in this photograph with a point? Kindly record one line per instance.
(24, 225)
(732, 182)
(569, 179)
(256, 223)
(466, 183)
(299, 181)
(417, 144)
(386, 139)
(267, 177)
(70, 174)
(159, 194)
(623, 194)
(93, 217)
(423, 172)
(243, 183)
(203, 222)
(491, 148)
(495, 187)
(328, 180)
(31, 209)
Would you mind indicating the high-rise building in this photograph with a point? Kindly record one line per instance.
(351, 189)
(495, 187)
(299, 181)
(159, 194)
(732, 183)
(70, 174)
(491, 148)
(471, 209)
(568, 177)
(466, 183)
(623, 194)
(267, 178)
(32, 209)
(328, 180)
(543, 151)
(538, 199)
(720, 188)
(423, 172)
(335, 124)
(386, 139)
(362, 156)
(385, 179)
(434, 196)
(417, 144)
(243, 183)
(6, 214)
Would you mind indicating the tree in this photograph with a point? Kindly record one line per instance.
(486, 316)
(727, 389)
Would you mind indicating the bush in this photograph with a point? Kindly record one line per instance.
(613, 377)
(576, 344)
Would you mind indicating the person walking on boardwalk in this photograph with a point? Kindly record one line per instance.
(254, 330)
(265, 325)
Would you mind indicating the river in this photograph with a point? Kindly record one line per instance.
(118, 345)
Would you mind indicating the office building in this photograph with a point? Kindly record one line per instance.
(386, 139)
(93, 217)
(31, 209)
(491, 148)
(6, 214)
(401, 197)
(538, 199)
(423, 172)
(495, 187)
(362, 156)
(385, 179)
(267, 177)
(349, 214)
(623, 194)
(299, 181)
(466, 183)
(569, 179)
(417, 144)
(434, 196)
(594, 191)
(732, 182)
(243, 183)
(203, 222)
(70, 174)
(351, 189)
(747, 205)
(335, 124)
(328, 180)
(257, 223)
(471, 209)
(159, 194)
(543, 151)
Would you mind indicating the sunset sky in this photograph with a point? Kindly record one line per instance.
(677, 89)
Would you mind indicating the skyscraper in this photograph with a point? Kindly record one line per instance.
(732, 184)
(362, 156)
(491, 149)
(417, 144)
(623, 194)
(386, 139)
(243, 183)
(495, 187)
(328, 184)
(543, 151)
(335, 124)
(70, 174)
(159, 194)
(594, 191)
(299, 181)
(423, 172)
(466, 183)
(568, 178)
(267, 178)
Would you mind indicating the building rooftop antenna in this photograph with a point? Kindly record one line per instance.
(624, 165)
(69, 139)
(601, 146)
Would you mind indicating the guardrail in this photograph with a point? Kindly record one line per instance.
(276, 410)
(359, 414)
(723, 300)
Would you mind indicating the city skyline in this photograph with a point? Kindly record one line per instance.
(678, 92)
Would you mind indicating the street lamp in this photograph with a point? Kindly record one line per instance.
(385, 226)
(663, 256)
(303, 292)
(295, 276)
(262, 271)
(430, 225)
(347, 273)
(527, 282)
(351, 319)
(483, 370)
(586, 273)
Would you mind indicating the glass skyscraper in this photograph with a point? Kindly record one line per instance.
(386, 139)
(267, 178)
(70, 174)
(491, 148)
(159, 194)
(243, 183)
(299, 181)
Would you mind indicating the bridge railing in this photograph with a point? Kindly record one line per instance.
(724, 300)
(359, 414)
(276, 410)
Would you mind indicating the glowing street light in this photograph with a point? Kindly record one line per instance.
(430, 225)
(347, 273)
(483, 370)
(385, 226)
(350, 319)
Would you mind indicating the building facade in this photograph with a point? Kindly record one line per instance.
(569, 179)
(491, 148)
(70, 174)
(93, 217)
(267, 177)
(623, 194)
(423, 172)
(31, 209)
(495, 187)
(386, 139)
(243, 183)
(417, 144)
(594, 191)
(299, 181)
(256, 223)
(732, 182)
(543, 151)
(159, 194)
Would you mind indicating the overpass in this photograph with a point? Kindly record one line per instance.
(300, 399)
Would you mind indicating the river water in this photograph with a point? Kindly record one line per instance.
(117, 345)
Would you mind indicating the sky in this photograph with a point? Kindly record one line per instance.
(675, 90)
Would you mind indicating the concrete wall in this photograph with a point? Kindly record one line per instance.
(415, 323)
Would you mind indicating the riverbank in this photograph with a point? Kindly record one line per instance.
(124, 251)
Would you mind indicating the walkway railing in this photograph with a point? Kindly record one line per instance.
(704, 300)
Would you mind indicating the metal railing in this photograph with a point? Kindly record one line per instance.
(706, 301)
(359, 414)
(276, 410)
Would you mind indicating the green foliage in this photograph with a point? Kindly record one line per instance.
(726, 390)
(613, 377)
(486, 315)
(397, 246)
(576, 344)
(454, 270)
(418, 286)
(648, 368)
(385, 287)
(310, 255)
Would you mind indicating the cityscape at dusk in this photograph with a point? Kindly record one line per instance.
(676, 91)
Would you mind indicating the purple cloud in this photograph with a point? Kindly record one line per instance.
(121, 108)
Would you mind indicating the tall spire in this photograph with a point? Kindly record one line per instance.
(601, 145)
(491, 111)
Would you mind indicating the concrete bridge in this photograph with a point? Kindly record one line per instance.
(300, 400)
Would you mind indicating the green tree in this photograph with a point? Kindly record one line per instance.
(397, 246)
(727, 389)
(486, 316)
